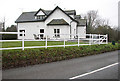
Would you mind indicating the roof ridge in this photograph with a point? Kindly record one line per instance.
(69, 10)
(44, 10)
(30, 12)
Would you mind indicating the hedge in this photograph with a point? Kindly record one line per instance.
(19, 58)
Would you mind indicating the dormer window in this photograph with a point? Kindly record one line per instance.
(40, 16)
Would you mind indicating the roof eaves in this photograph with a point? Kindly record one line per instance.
(28, 21)
(58, 22)
(81, 25)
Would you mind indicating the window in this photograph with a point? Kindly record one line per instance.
(40, 16)
(57, 32)
(22, 31)
(41, 35)
(41, 30)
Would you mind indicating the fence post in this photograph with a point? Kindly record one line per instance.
(99, 39)
(90, 40)
(64, 42)
(78, 40)
(46, 42)
(18, 34)
(22, 40)
(106, 38)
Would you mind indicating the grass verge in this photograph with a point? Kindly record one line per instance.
(19, 58)
(36, 43)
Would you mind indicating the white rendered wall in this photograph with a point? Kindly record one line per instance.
(73, 28)
(31, 28)
(40, 13)
(34, 27)
(65, 29)
(58, 14)
(81, 30)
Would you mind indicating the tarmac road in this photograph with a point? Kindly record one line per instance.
(109, 73)
(69, 68)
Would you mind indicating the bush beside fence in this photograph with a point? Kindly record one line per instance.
(20, 58)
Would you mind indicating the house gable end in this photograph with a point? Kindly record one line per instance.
(40, 12)
(62, 11)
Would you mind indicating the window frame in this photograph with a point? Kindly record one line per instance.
(40, 16)
(42, 30)
(21, 30)
(57, 33)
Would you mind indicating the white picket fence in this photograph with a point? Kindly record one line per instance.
(92, 38)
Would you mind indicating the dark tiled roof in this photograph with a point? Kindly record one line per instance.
(30, 16)
(47, 11)
(81, 22)
(26, 16)
(69, 12)
(77, 16)
(58, 22)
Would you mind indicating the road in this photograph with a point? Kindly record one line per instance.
(109, 73)
(69, 68)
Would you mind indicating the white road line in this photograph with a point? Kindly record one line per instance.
(93, 71)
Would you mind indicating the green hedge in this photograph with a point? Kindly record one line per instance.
(9, 36)
(19, 58)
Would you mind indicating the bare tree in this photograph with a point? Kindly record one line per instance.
(94, 21)
(3, 21)
(101, 22)
(1, 26)
(91, 17)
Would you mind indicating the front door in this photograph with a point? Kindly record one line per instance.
(41, 33)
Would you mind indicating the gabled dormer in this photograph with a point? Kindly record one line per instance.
(71, 13)
(40, 14)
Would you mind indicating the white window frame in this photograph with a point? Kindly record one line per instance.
(42, 33)
(20, 30)
(57, 33)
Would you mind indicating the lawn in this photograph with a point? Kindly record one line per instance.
(35, 43)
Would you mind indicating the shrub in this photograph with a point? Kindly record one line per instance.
(19, 58)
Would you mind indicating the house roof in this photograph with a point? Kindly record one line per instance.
(40, 10)
(81, 22)
(63, 12)
(30, 16)
(58, 22)
(77, 17)
(27, 17)
(47, 12)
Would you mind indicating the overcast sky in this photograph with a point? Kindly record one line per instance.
(11, 9)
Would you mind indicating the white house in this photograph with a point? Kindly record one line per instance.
(53, 23)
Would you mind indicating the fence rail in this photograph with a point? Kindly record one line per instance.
(93, 39)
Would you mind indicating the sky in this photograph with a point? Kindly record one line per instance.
(12, 9)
